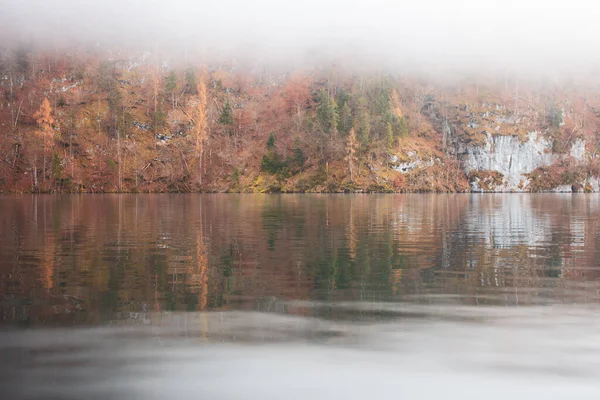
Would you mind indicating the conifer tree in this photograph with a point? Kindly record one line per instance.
(226, 117)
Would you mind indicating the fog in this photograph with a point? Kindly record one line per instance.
(419, 352)
(516, 34)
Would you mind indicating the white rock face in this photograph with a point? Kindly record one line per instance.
(511, 157)
(578, 150)
(514, 158)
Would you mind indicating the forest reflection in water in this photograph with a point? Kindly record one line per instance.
(245, 297)
(89, 258)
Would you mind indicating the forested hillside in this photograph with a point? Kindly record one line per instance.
(117, 121)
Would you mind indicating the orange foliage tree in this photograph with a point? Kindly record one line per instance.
(200, 125)
(351, 148)
(43, 117)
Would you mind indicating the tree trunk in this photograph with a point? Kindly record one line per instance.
(119, 157)
(35, 175)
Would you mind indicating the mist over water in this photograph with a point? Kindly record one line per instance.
(423, 352)
(299, 296)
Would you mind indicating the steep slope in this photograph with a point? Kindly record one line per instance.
(110, 121)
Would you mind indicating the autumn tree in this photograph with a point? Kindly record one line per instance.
(43, 117)
(351, 148)
(200, 125)
(394, 104)
(297, 96)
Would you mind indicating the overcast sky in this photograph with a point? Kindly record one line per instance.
(505, 33)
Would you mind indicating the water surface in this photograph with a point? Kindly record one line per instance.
(300, 296)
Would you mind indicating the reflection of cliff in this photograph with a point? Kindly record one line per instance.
(528, 247)
(507, 221)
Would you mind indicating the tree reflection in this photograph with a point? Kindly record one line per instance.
(85, 259)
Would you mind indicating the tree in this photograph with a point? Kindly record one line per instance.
(226, 117)
(297, 93)
(297, 160)
(171, 87)
(272, 162)
(327, 113)
(57, 167)
(43, 117)
(351, 148)
(389, 133)
(191, 86)
(200, 125)
(271, 142)
(363, 122)
(345, 123)
(297, 96)
(395, 104)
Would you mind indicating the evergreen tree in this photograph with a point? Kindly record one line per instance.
(271, 142)
(345, 118)
(363, 122)
(226, 117)
(171, 88)
(190, 81)
(389, 133)
(171, 83)
(327, 113)
(272, 162)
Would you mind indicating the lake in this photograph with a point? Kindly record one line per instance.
(227, 296)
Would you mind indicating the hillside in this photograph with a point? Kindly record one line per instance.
(131, 122)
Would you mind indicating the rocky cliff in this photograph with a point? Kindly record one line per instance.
(505, 163)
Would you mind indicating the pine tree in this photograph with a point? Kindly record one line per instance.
(271, 142)
(171, 87)
(190, 81)
(363, 122)
(226, 117)
(327, 113)
(389, 132)
(345, 118)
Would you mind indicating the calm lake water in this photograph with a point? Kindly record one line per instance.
(300, 296)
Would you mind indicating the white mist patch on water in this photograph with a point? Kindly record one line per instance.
(415, 352)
